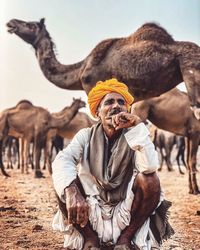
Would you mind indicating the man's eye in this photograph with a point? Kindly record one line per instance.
(109, 102)
(121, 102)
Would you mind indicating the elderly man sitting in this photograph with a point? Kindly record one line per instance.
(106, 182)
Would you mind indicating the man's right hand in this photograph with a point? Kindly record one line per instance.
(77, 207)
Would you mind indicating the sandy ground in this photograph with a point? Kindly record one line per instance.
(27, 206)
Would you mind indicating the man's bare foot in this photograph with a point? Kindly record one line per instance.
(125, 247)
(91, 244)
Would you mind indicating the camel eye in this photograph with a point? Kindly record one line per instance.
(31, 26)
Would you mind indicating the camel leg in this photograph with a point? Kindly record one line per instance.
(48, 155)
(30, 155)
(192, 151)
(21, 152)
(1, 161)
(36, 156)
(26, 153)
(162, 159)
(18, 154)
(182, 155)
(167, 159)
(179, 154)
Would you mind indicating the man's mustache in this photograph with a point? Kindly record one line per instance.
(115, 111)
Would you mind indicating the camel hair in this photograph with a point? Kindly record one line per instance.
(171, 111)
(149, 61)
(32, 123)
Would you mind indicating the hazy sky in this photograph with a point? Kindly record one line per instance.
(76, 26)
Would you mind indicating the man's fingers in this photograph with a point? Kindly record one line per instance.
(74, 215)
(82, 215)
(85, 220)
(70, 216)
(79, 217)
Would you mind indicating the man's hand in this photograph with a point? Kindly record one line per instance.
(77, 207)
(124, 120)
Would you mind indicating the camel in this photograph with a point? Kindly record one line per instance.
(11, 148)
(30, 122)
(164, 141)
(149, 61)
(80, 120)
(171, 111)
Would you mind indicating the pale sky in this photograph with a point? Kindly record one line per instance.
(76, 27)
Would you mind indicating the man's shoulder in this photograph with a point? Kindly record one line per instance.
(84, 132)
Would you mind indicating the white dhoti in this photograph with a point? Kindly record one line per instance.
(108, 221)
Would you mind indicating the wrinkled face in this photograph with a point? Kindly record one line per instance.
(112, 103)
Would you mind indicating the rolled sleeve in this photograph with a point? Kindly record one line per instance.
(146, 157)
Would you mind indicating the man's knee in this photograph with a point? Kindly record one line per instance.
(147, 183)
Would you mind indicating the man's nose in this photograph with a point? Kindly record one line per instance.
(116, 104)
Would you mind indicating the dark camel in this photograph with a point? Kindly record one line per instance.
(165, 141)
(32, 123)
(171, 111)
(180, 143)
(149, 61)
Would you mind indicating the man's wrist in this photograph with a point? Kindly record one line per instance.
(71, 187)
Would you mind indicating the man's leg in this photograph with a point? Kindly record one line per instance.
(91, 240)
(146, 189)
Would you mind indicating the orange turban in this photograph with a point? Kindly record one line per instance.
(103, 88)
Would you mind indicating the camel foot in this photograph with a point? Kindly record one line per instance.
(4, 172)
(194, 192)
(181, 172)
(39, 174)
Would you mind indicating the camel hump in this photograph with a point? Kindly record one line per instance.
(152, 32)
(99, 52)
(24, 104)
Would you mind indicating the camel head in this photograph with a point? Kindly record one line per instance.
(79, 103)
(28, 31)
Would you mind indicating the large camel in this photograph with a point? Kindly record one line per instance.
(171, 111)
(32, 123)
(149, 61)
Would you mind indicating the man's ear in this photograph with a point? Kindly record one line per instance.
(97, 114)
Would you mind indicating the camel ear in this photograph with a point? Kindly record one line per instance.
(74, 99)
(42, 20)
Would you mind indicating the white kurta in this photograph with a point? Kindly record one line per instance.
(106, 220)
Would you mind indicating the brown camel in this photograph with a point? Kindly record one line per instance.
(149, 61)
(32, 123)
(164, 141)
(171, 111)
(80, 120)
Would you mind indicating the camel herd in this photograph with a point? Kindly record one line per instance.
(32, 124)
(149, 61)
